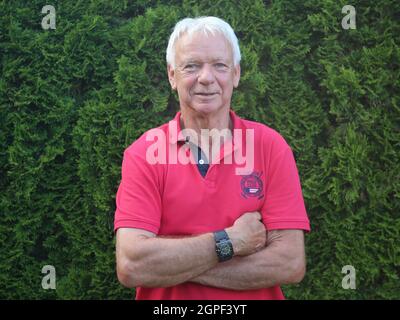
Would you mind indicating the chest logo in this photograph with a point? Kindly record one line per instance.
(252, 185)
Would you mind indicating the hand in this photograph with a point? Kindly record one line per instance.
(248, 234)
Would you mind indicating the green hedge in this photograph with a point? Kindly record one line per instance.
(72, 99)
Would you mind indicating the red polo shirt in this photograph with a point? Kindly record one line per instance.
(174, 199)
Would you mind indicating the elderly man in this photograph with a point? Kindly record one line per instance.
(197, 229)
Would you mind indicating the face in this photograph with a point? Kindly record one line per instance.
(204, 73)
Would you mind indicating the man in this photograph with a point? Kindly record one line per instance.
(197, 229)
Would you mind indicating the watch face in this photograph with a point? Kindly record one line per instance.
(226, 249)
(223, 246)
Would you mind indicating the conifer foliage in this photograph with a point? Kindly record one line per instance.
(74, 97)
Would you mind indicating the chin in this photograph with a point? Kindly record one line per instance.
(207, 108)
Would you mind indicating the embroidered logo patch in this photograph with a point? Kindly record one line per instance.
(252, 185)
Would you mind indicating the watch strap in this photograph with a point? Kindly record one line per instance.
(220, 235)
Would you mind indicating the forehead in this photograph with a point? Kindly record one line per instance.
(199, 46)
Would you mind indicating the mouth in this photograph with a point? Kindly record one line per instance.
(205, 94)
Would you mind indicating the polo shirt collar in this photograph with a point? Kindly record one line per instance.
(176, 136)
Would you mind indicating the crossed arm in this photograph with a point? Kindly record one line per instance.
(281, 261)
(144, 260)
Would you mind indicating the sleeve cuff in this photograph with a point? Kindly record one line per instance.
(280, 225)
(136, 224)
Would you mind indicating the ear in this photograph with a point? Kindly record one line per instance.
(236, 76)
(171, 77)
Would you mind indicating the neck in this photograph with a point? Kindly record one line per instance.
(198, 122)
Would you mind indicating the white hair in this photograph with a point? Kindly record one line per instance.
(207, 25)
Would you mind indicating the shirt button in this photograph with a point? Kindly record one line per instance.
(201, 161)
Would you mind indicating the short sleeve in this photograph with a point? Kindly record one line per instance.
(284, 205)
(138, 200)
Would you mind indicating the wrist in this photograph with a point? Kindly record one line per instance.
(234, 239)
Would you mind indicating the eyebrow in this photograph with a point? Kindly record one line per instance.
(218, 59)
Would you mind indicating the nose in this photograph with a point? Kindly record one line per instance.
(206, 75)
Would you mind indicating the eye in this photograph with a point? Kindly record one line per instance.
(221, 66)
(191, 67)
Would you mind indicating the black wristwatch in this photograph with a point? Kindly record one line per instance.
(223, 246)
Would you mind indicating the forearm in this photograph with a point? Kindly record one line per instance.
(164, 262)
(263, 269)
